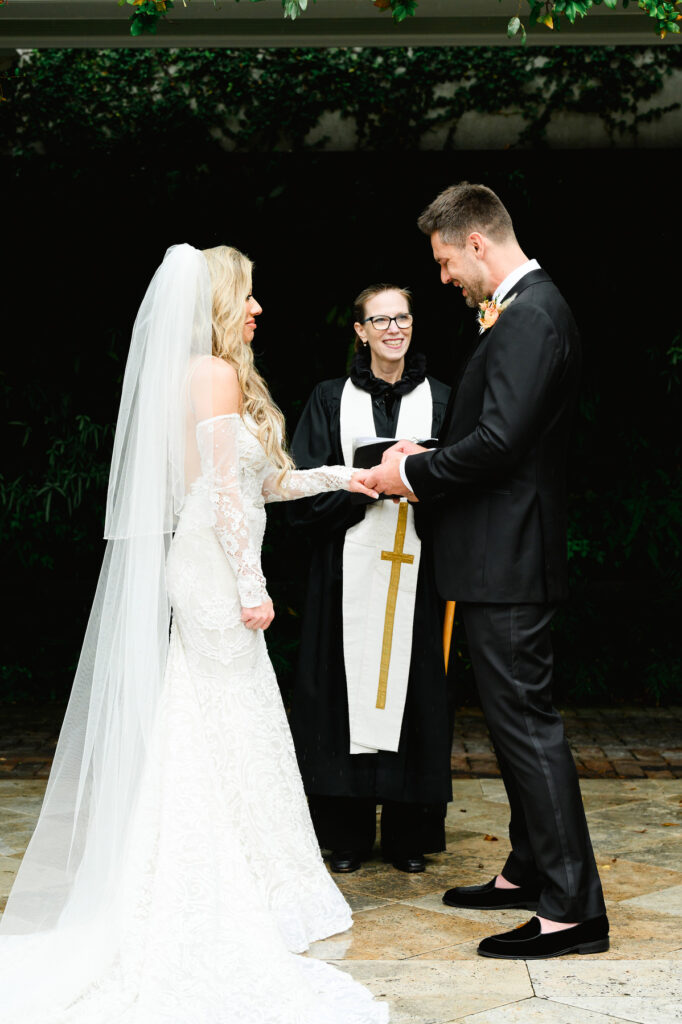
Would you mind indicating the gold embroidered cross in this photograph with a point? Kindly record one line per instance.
(398, 558)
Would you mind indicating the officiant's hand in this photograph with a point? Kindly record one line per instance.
(397, 451)
(259, 617)
(357, 485)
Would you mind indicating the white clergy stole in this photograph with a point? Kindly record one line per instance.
(381, 557)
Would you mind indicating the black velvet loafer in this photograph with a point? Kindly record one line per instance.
(528, 942)
(488, 897)
(412, 865)
(345, 861)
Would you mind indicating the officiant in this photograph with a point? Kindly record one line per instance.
(371, 711)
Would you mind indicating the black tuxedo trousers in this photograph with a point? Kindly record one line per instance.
(511, 654)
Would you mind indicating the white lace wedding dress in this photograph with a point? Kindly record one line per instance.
(222, 883)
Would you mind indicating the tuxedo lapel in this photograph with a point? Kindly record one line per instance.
(534, 277)
(539, 276)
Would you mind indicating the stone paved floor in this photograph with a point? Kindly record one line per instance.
(620, 742)
(421, 956)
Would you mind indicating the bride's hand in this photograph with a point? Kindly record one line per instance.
(259, 617)
(357, 485)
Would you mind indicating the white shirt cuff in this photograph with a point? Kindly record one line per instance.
(403, 474)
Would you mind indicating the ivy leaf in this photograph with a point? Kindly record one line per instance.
(513, 27)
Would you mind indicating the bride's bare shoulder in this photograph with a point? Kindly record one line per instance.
(215, 388)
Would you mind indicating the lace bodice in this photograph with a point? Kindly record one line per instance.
(236, 481)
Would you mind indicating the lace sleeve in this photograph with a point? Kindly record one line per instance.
(217, 440)
(304, 483)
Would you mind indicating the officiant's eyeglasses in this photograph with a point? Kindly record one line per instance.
(382, 323)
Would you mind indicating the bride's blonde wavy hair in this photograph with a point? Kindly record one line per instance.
(231, 275)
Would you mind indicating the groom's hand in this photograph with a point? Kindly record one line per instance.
(402, 448)
(386, 479)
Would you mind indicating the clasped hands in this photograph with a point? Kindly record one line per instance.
(386, 478)
(383, 479)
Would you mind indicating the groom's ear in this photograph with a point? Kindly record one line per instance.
(477, 243)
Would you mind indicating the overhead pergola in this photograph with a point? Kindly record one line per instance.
(101, 23)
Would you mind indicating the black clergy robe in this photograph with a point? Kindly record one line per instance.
(419, 772)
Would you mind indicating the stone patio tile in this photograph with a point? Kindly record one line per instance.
(647, 992)
(469, 788)
(435, 992)
(665, 853)
(20, 787)
(389, 885)
(8, 869)
(624, 879)
(462, 951)
(13, 841)
(488, 921)
(596, 803)
(396, 932)
(650, 814)
(476, 858)
(661, 901)
(360, 901)
(643, 787)
(10, 820)
(538, 1011)
(25, 804)
(625, 841)
(486, 817)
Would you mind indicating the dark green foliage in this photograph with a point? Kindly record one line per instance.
(110, 157)
(265, 100)
(552, 13)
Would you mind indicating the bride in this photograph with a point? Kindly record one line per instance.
(174, 875)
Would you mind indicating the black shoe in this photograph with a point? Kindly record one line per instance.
(412, 865)
(528, 942)
(488, 897)
(345, 861)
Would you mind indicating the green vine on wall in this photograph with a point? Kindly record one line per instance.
(264, 100)
(550, 13)
(553, 13)
(665, 14)
(148, 13)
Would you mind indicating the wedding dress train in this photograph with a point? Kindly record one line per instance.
(221, 884)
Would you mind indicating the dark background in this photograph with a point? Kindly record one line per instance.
(83, 236)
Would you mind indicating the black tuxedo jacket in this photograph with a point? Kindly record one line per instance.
(498, 477)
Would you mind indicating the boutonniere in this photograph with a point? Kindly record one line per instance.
(489, 312)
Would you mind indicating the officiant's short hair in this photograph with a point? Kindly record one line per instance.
(464, 208)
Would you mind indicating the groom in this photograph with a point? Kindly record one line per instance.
(497, 484)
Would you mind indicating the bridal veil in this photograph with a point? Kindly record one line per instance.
(68, 873)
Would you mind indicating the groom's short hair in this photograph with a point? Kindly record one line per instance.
(464, 208)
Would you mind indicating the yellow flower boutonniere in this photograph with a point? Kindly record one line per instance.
(489, 312)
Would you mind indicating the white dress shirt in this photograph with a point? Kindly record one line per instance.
(500, 293)
(513, 278)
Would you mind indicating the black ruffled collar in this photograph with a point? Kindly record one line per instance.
(362, 376)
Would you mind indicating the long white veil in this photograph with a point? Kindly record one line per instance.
(67, 877)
